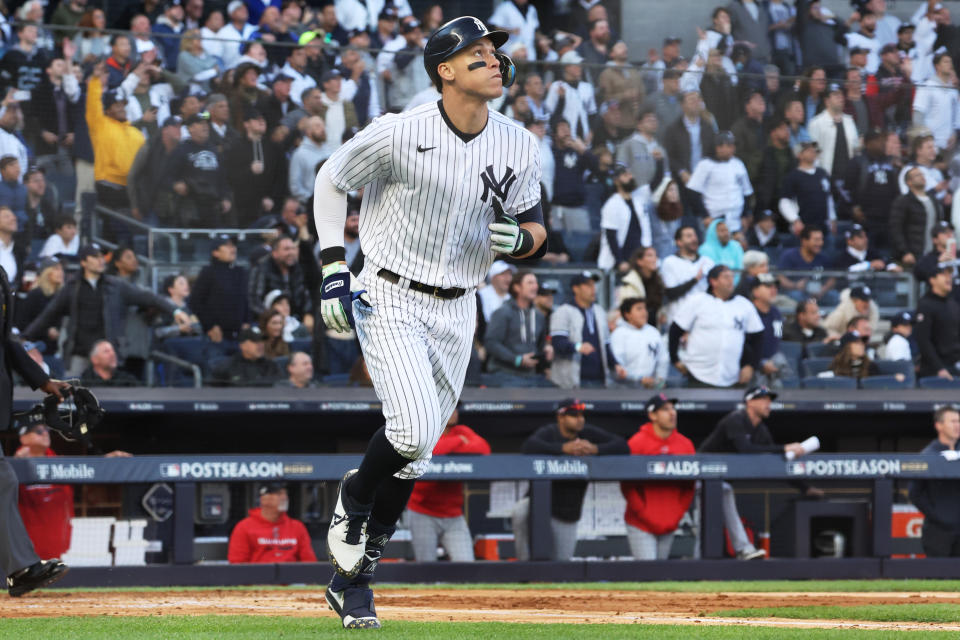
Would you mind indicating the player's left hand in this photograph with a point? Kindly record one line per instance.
(506, 230)
(337, 294)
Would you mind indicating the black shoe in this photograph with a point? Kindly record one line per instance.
(354, 605)
(36, 576)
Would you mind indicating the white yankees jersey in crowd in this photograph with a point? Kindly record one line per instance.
(641, 352)
(615, 215)
(725, 186)
(424, 217)
(676, 270)
(716, 330)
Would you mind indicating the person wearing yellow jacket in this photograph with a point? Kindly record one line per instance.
(115, 141)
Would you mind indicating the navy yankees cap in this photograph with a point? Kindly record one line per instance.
(658, 401)
(940, 227)
(725, 137)
(31, 422)
(582, 277)
(851, 336)
(87, 250)
(904, 317)
(855, 230)
(250, 333)
(860, 292)
(549, 287)
(761, 391)
(762, 280)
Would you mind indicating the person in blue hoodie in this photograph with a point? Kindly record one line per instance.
(720, 247)
(12, 192)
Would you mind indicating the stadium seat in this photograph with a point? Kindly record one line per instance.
(813, 366)
(675, 379)
(839, 382)
(336, 380)
(935, 382)
(790, 383)
(820, 350)
(885, 382)
(282, 362)
(891, 367)
(792, 351)
(302, 345)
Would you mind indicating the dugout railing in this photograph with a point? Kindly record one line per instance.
(183, 473)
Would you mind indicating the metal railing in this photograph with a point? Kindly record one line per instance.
(177, 362)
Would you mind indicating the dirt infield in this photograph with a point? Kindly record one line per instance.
(480, 605)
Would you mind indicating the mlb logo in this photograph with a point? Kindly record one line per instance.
(170, 470)
(657, 468)
(796, 469)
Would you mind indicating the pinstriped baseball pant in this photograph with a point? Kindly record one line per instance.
(416, 348)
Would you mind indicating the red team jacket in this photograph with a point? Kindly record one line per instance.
(657, 507)
(46, 510)
(445, 499)
(255, 539)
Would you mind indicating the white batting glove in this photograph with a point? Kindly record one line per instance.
(505, 236)
(337, 293)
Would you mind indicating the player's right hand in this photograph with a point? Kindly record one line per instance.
(337, 294)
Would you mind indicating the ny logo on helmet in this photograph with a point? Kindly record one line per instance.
(500, 187)
(479, 24)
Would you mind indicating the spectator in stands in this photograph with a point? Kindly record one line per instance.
(835, 150)
(897, 343)
(684, 273)
(580, 337)
(53, 112)
(870, 188)
(944, 248)
(807, 257)
(666, 102)
(723, 335)
(595, 48)
(624, 220)
(283, 269)
(937, 500)
(744, 431)
(246, 91)
(277, 103)
(748, 133)
(338, 115)
(299, 372)
(96, 306)
(720, 247)
(219, 296)
(654, 509)
(774, 366)
(119, 65)
(622, 82)
(497, 290)
(147, 200)
(805, 327)
(754, 263)
(46, 509)
(49, 281)
(638, 346)
(924, 155)
(573, 437)
(43, 206)
(516, 336)
(854, 302)
(167, 26)
(222, 135)
(22, 65)
(247, 367)
(643, 281)
(68, 14)
(750, 23)
(895, 92)
(295, 67)
(642, 151)
(796, 117)
(762, 234)
(519, 19)
(688, 140)
(913, 217)
(124, 263)
(235, 31)
(268, 534)
(198, 179)
(571, 160)
(271, 326)
(938, 325)
(115, 141)
(404, 76)
(177, 289)
(311, 152)
(936, 104)
(806, 194)
(666, 216)
(12, 192)
(852, 360)
(435, 510)
(716, 86)
(11, 117)
(194, 65)
(776, 159)
(723, 183)
(254, 167)
(12, 252)
(91, 43)
(858, 256)
(103, 371)
(572, 98)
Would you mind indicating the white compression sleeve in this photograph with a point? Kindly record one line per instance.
(329, 211)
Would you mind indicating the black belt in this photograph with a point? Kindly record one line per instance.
(446, 294)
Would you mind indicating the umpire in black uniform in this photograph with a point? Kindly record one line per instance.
(20, 563)
(939, 500)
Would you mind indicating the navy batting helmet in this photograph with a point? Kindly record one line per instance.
(457, 35)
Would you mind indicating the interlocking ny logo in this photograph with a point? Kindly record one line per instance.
(500, 187)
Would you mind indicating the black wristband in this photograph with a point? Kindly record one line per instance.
(526, 243)
(332, 254)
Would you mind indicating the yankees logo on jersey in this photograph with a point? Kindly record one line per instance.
(426, 207)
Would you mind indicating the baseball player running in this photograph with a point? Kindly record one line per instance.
(449, 186)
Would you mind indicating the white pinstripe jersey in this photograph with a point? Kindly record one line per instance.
(428, 193)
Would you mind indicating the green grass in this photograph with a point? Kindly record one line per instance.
(928, 612)
(259, 628)
(772, 586)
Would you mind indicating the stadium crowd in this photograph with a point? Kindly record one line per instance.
(775, 161)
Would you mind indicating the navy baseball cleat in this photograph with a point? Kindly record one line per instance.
(354, 605)
(36, 576)
(347, 536)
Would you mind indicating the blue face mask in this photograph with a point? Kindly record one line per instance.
(739, 66)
